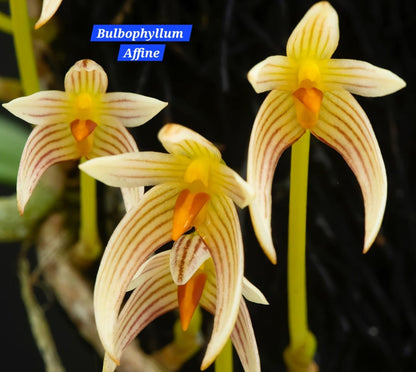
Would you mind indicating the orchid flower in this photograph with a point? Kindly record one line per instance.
(194, 189)
(83, 121)
(161, 286)
(312, 92)
(49, 8)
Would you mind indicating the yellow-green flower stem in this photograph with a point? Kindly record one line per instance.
(224, 361)
(301, 349)
(89, 247)
(24, 47)
(5, 23)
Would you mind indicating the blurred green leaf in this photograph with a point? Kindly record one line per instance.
(13, 226)
(12, 140)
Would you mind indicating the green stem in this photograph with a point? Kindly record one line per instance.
(90, 247)
(224, 361)
(302, 343)
(5, 23)
(23, 45)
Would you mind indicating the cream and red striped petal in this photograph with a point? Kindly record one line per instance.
(180, 140)
(143, 168)
(42, 108)
(344, 126)
(113, 139)
(275, 72)
(242, 336)
(274, 130)
(155, 295)
(144, 229)
(86, 76)
(233, 185)
(316, 35)
(359, 77)
(49, 8)
(222, 235)
(130, 109)
(46, 145)
(187, 255)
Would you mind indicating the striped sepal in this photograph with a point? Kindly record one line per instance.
(86, 76)
(344, 126)
(144, 229)
(222, 235)
(275, 72)
(316, 35)
(46, 145)
(41, 108)
(130, 109)
(274, 130)
(137, 169)
(180, 140)
(359, 77)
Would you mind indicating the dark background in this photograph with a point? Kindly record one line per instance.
(361, 307)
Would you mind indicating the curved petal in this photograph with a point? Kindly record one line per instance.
(180, 140)
(143, 229)
(137, 169)
(274, 130)
(275, 72)
(244, 340)
(252, 293)
(232, 185)
(86, 76)
(187, 255)
(130, 109)
(46, 145)
(49, 8)
(155, 295)
(111, 140)
(359, 77)
(316, 35)
(344, 126)
(242, 336)
(41, 108)
(222, 235)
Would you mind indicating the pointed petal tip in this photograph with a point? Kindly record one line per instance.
(110, 363)
(400, 83)
(40, 23)
(263, 234)
(271, 255)
(368, 243)
(49, 8)
(21, 208)
(252, 293)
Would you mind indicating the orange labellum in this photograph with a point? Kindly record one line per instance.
(307, 104)
(189, 295)
(187, 207)
(81, 129)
